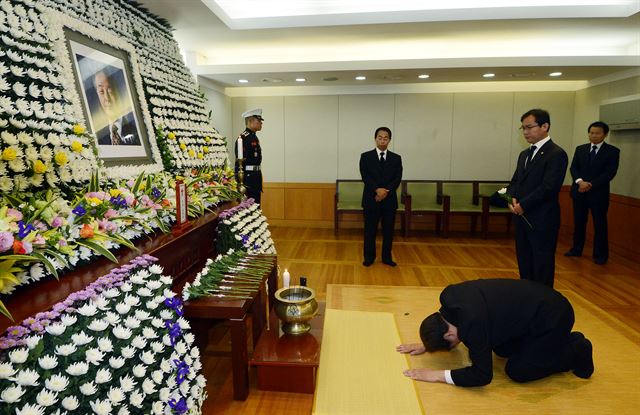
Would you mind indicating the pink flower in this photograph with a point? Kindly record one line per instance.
(129, 199)
(144, 199)
(6, 241)
(110, 214)
(39, 240)
(16, 214)
(57, 222)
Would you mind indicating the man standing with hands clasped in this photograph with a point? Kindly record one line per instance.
(594, 165)
(534, 187)
(381, 172)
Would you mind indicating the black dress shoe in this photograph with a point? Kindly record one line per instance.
(571, 252)
(583, 361)
(367, 262)
(600, 261)
(575, 336)
(389, 262)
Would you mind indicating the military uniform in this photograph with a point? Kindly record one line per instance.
(252, 160)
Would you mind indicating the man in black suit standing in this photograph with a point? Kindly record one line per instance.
(534, 189)
(526, 322)
(381, 172)
(593, 166)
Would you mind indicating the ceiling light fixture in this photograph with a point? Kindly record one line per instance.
(301, 79)
(555, 74)
(360, 78)
(243, 81)
(488, 75)
(423, 76)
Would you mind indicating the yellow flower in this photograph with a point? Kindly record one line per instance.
(200, 156)
(76, 146)
(9, 154)
(205, 149)
(183, 146)
(114, 192)
(61, 158)
(94, 201)
(192, 153)
(171, 136)
(78, 129)
(39, 167)
(207, 139)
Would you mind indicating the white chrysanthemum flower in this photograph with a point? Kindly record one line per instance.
(180, 348)
(166, 280)
(88, 389)
(151, 304)
(166, 314)
(155, 269)
(158, 408)
(126, 287)
(157, 376)
(48, 362)
(101, 407)
(6, 370)
(68, 319)
(80, 339)
(201, 381)
(144, 292)
(184, 388)
(78, 369)
(154, 285)
(89, 309)
(103, 376)
(57, 383)
(116, 362)
(164, 394)
(148, 386)
(139, 371)
(131, 300)
(101, 302)
(142, 315)
(166, 366)
(128, 352)
(183, 323)
(46, 398)
(116, 395)
(112, 318)
(105, 344)
(70, 403)
(149, 333)
(98, 325)
(124, 410)
(168, 293)
(121, 332)
(12, 394)
(147, 357)
(19, 355)
(132, 322)
(123, 308)
(32, 341)
(127, 383)
(157, 347)
(157, 323)
(139, 342)
(111, 293)
(27, 377)
(136, 399)
(94, 356)
(29, 409)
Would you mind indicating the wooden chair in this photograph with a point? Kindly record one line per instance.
(486, 189)
(460, 198)
(347, 199)
(422, 197)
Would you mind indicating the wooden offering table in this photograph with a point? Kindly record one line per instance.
(204, 311)
(288, 363)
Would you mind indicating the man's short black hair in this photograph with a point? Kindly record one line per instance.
(542, 116)
(600, 124)
(432, 331)
(382, 129)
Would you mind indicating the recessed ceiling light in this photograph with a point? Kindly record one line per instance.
(360, 78)
(488, 75)
(423, 76)
(301, 79)
(555, 74)
(243, 81)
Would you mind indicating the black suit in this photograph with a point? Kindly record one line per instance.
(536, 188)
(387, 175)
(526, 322)
(252, 153)
(128, 132)
(599, 173)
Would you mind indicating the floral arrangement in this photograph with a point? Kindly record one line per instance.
(208, 187)
(244, 227)
(504, 195)
(232, 276)
(119, 346)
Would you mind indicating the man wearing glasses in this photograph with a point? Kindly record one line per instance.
(534, 189)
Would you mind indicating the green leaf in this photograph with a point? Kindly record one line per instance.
(13, 201)
(28, 258)
(57, 256)
(122, 241)
(47, 264)
(136, 185)
(5, 312)
(98, 249)
(161, 225)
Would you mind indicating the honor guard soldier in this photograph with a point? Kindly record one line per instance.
(248, 147)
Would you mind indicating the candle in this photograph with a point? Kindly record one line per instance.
(240, 149)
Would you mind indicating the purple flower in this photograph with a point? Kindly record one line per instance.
(57, 222)
(174, 303)
(256, 246)
(182, 370)
(6, 343)
(155, 192)
(79, 211)
(16, 332)
(174, 331)
(118, 201)
(245, 239)
(6, 241)
(24, 229)
(179, 407)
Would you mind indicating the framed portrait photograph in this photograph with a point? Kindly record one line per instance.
(110, 102)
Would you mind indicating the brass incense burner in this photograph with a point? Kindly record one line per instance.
(295, 306)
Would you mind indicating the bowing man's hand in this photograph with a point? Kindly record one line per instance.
(411, 348)
(425, 375)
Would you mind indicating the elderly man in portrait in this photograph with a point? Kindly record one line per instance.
(115, 127)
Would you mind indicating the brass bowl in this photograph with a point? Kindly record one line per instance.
(295, 306)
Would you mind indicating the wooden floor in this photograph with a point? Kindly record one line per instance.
(423, 260)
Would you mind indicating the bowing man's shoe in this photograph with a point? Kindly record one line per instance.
(367, 262)
(600, 261)
(571, 252)
(389, 262)
(583, 360)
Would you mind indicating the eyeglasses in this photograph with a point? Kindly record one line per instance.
(528, 127)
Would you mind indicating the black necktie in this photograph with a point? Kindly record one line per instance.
(592, 154)
(382, 157)
(116, 140)
(532, 150)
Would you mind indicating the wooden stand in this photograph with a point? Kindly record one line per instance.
(289, 363)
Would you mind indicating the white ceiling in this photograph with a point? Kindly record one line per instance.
(517, 42)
